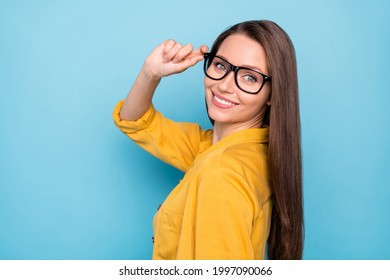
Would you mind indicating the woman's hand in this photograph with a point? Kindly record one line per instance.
(171, 58)
(167, 59)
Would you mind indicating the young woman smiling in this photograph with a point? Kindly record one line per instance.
(242, 186)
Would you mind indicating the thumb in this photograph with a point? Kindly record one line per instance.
(197, 55)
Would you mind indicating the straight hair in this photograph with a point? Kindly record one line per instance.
(285, 240)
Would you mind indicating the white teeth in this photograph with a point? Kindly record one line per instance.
(224, 102)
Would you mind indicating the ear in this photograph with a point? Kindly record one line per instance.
(269, 99)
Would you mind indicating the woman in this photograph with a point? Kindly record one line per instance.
(242, 185)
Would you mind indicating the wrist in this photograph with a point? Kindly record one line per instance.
(149, 74)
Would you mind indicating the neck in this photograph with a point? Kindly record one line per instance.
(222, 130)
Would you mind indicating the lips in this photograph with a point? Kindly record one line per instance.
(222, 102)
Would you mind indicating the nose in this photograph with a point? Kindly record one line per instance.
(227, 84)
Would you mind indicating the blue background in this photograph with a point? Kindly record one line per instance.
(73, 187)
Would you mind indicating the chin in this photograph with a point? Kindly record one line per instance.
(217, 116)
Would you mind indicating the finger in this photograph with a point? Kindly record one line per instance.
(168, 45)
(191, 60)
(182, 53)
(204, 49)
(199, 53)
(186, 53)
(201, 50)
(172, 52)
(195, 59)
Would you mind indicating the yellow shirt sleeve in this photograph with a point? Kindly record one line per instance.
(224, 216)
(174, 143)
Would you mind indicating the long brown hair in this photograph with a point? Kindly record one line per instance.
(284, 155)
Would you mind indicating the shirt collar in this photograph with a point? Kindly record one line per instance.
(257, 135)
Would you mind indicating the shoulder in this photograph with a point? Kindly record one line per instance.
(245, 158)
(243, 167)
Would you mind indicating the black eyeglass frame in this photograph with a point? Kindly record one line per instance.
(235, 69)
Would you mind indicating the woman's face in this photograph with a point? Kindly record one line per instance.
(229, 105)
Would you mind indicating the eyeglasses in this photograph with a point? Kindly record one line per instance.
(247, 79)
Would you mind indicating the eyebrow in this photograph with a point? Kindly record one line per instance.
(244, 65)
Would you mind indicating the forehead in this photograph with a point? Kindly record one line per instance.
(241, 50)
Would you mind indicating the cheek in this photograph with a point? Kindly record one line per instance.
(260, 100)
(207, 83)
(208, 86)
(266, 91)
(207, 91)
(254, 103)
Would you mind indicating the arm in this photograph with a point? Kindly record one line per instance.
(167, 59)
(174, 143)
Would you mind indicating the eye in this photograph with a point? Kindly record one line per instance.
(220, 66)
(250, 78)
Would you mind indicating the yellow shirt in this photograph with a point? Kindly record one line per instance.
(221, 209)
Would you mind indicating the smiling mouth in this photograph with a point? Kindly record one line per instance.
(223, 102)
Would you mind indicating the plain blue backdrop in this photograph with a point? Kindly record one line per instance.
(73, 187)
